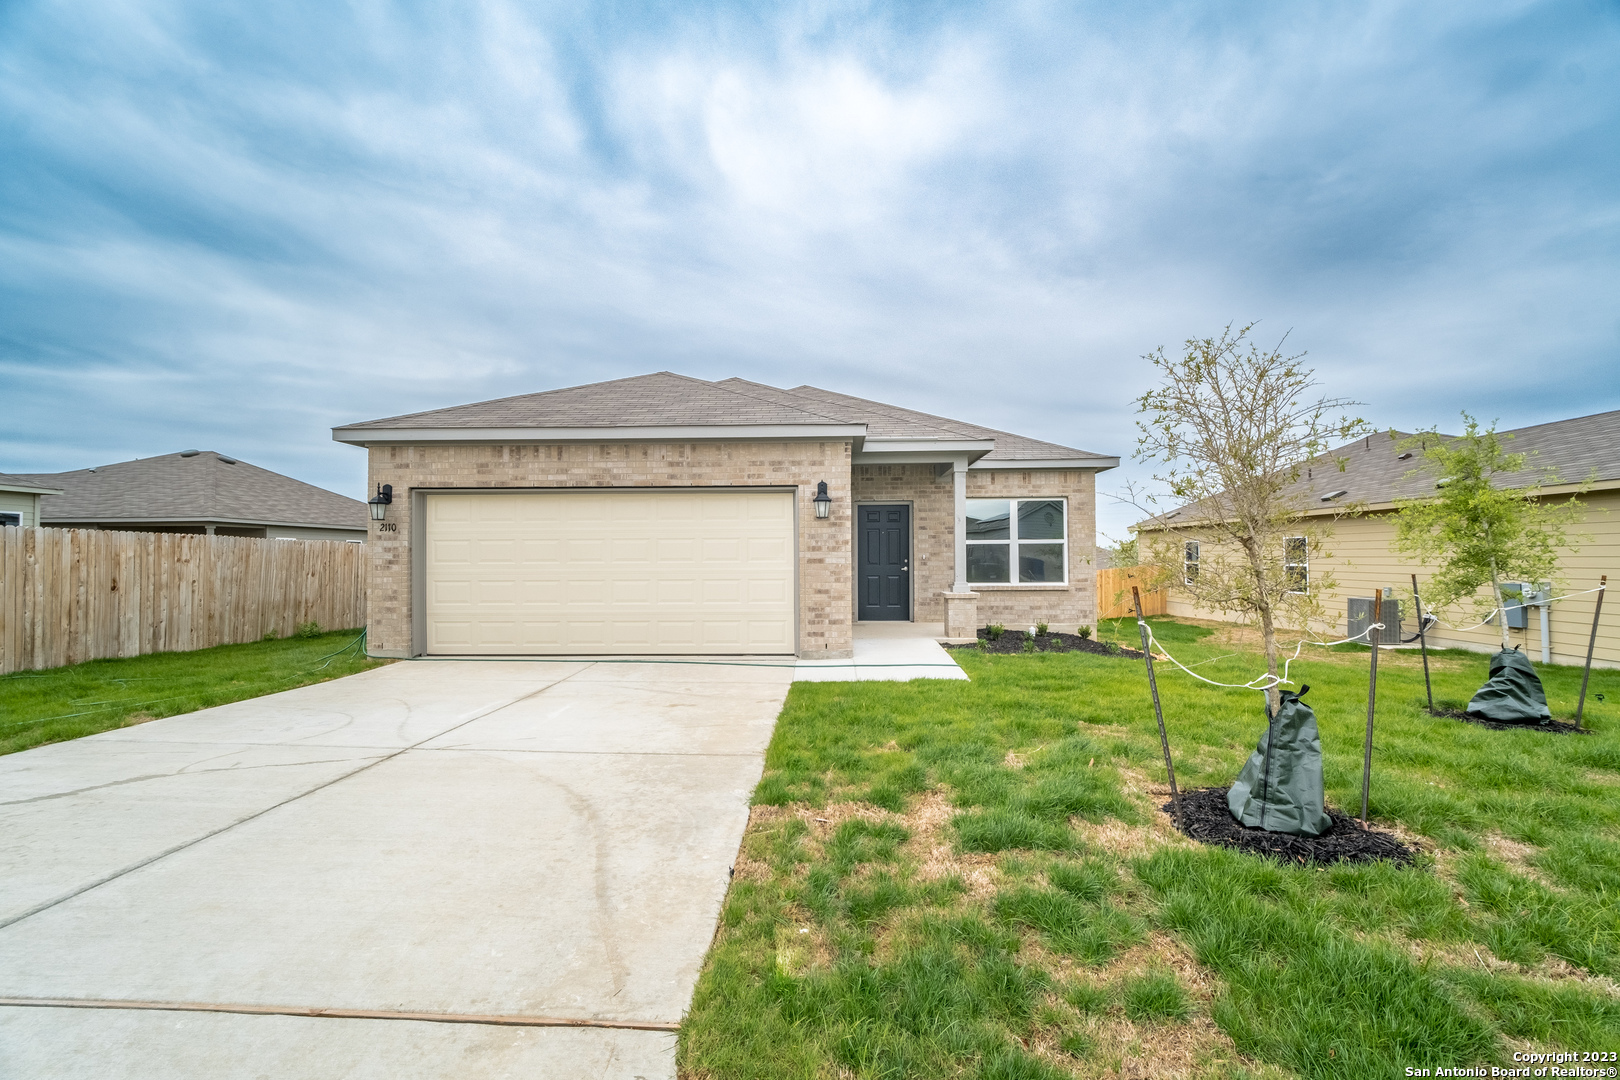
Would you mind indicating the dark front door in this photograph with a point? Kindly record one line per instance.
(885, 562)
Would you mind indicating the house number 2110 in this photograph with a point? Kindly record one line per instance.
(387, 526)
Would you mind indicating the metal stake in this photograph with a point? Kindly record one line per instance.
(1423, 641)
(1372, 701)
(1603, 587)
(1158, 710)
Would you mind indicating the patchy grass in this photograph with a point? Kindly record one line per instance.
(38, 707)
(946, 879)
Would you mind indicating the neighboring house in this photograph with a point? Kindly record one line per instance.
(1363, 560)
(197, 491)
(19, 500)
(666, 514)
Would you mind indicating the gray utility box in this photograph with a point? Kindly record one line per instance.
(1515, 595)
(1360, 612)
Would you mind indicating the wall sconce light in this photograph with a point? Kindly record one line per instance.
(379, 503)
(822, 500)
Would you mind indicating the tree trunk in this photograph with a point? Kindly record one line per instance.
(1268, 634)
(1501, 606)
(1268, 628)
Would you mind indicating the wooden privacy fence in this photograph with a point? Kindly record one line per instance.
(1114, 592)
(68, 595)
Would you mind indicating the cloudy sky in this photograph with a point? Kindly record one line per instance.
(233, 225)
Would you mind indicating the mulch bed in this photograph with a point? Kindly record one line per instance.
(1555, 727)
(1209, 821)
(1012, 641)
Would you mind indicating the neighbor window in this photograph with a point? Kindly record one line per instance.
(1017, 542)
(1297, 563)
(10, 519)
(1190, 558)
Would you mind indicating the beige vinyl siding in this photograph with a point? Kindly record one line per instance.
(16, 502)
(1363, 561)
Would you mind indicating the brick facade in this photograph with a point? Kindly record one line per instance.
(826, 599)
(929, 492)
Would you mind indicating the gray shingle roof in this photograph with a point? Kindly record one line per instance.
(1375, 475)
(660, 400)
(669, 400)
(199, 487)
(12, 483)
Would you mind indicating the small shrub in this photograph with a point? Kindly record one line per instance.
(994, 631)
(311, 629)
(269, 635)
(1029, 644)
(1041, 629)
(1085, 633)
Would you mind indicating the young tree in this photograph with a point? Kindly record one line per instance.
(1235, 425)
(1476, 528)
(1123, 552)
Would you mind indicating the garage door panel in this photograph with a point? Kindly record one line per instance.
(679, 572)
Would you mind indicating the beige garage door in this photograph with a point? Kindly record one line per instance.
(683, 571)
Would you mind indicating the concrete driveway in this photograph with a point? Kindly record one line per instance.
(431, 869)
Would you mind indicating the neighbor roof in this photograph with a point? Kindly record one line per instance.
(25, 485)
(193, 486)
(669, 405)
(1375, 475)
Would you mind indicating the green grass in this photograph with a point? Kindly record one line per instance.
(1045, 942)
(39, 707)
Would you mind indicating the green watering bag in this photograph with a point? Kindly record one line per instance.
(1513, 694)
(1280, 789)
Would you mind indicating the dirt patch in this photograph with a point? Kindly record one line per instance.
(1552, 727)
(1013, 641)
(931, 845)
(1210, 821)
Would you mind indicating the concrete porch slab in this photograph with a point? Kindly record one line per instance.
(884, 653)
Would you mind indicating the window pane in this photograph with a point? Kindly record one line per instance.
(1298, 580)
(1040, 520)
(987, 519)
(1296, 549)
(987, 563)
(1192, 551)
(1040, 562)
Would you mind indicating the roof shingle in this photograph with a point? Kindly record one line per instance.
(193, 487)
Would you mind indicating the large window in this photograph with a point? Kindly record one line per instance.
(1297, 563)
(1028, 538)
(1189, 572)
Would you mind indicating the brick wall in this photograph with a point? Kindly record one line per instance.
(933, 543)
(825, 563)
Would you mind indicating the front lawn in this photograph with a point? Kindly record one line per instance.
(38, 707)
(948, 879)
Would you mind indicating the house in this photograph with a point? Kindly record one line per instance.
(667, 514)
(1363, 562)
(19, 500)
(197, 491)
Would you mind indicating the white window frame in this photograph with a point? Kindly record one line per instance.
(1304, 565)
(1189, 562)
(1012, 541)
